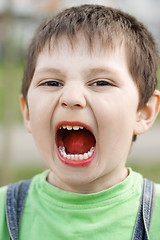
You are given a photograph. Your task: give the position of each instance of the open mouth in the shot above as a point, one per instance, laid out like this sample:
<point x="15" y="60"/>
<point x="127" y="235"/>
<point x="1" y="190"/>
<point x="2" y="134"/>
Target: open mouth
<point x="76" y="144"/>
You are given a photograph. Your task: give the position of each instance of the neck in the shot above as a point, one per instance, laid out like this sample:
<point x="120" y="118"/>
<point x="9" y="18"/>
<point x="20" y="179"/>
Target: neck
<point x="103" y="183"/>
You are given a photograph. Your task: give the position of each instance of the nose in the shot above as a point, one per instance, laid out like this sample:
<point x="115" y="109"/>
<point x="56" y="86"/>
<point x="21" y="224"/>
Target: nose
<point x="73" y="98"/>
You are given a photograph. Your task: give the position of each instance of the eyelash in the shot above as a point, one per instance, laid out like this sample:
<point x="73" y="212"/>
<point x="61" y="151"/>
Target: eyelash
<point x="51" y="83"/>
<point x="95" y="83"/>
<point x="101" y="83"/>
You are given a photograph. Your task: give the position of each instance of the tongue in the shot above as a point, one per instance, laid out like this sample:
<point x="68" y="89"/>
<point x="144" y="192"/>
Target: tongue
<point x="79" y="141"/>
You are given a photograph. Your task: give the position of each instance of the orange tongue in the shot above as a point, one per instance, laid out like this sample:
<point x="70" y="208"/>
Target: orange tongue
<point x="79" y="141"/>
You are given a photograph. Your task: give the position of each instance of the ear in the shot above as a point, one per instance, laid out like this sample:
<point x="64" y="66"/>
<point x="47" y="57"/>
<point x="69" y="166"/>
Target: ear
<point x="147" y="115"/>
<point x="25" y="113"/>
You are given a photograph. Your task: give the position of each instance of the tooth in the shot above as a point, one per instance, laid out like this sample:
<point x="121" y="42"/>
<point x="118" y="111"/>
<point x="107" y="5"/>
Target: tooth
<point x="92" y="149"/>
<point x="60" y="149"/>
<point x="90" y="153"/>
<point x="68" y="156"/>
<point x="76" y="156"/>
<point x="72" y="156"/>
<point x="81" y="127"/>
<point x="80" y="156"/>
<point x="85" y="155"/>
<point x="76" y="127"/>
<point x="69" y="127"/>
<point x="64" y="127"/>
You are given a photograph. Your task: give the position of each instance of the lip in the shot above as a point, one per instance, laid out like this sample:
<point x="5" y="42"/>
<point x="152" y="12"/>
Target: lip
<point x="75" y="163"/>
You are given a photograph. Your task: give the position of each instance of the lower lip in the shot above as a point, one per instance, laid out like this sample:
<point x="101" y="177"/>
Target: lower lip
<point x="76" y="163"/>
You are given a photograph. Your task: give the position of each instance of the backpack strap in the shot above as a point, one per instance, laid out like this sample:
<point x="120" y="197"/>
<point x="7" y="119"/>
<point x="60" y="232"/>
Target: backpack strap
<point x="141" y="231"/>
<point x="15" y="199"/>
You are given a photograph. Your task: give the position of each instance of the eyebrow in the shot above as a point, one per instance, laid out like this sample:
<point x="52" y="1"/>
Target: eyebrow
<point x="100" y="70"/>
<point x="50" y="70"/>
<point x="88" y="73"/>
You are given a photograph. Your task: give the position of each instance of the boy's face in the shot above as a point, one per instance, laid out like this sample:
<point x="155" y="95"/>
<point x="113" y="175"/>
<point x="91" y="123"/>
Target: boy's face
<point x="94" y="91"/>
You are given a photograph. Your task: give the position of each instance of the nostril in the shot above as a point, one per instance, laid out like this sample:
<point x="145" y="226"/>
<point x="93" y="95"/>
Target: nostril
<point x="77" y="105"/>
<point x="64" y="104"/>
<point x="71" y="105"/>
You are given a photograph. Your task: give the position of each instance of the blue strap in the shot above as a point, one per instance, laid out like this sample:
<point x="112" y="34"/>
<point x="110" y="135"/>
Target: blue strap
<point x="15" y="198"/>
<point x="141" y="231"/>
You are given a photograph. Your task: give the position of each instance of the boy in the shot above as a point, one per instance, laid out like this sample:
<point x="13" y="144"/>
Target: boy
<point x="89" y="89"/>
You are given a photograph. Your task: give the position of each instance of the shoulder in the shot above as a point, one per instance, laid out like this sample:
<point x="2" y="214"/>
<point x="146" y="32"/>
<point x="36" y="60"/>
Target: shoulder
<point x="4" y="234"/>
<point x="2" y="200"/>
<point x="2" y="195"/>
<point x="157" y="189"/>
<point x="157" y="196"/>
<point x="155" y="223"/>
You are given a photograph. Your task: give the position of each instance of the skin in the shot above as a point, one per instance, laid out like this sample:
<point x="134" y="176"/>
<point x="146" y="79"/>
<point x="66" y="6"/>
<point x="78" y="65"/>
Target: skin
<point x="95" y="89"/>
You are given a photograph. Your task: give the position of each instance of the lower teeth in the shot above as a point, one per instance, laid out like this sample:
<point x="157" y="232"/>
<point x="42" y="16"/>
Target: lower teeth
<point x="76" y="156"/>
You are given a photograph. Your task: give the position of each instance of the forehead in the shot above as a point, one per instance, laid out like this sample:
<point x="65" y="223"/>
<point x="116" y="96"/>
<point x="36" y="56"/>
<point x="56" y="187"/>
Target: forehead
<point x="81" y="45"/>
<point x="96" y="43"/>
<point x="80" y="50"/>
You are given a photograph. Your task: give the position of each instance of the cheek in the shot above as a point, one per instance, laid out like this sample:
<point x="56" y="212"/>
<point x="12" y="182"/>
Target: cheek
<point x="41" y="113"/>
<point x="41" y="107"/>
<point x="115" y="131"/>
<point x="115" y="118"/>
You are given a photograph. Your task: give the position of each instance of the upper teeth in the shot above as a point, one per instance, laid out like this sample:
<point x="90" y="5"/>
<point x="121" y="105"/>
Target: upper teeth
<point x="71" y="127"/>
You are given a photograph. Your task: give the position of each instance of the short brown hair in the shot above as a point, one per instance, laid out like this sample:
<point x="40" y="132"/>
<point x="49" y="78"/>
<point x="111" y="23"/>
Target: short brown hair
<point x="110" y="26"/>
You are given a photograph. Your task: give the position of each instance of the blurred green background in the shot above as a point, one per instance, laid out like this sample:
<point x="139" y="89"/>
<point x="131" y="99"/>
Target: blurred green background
<point x="18" y="21"/>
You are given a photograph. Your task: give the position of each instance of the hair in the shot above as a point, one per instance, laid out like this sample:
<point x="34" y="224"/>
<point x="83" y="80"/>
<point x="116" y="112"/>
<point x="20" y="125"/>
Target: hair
<point x="110" y="27"/>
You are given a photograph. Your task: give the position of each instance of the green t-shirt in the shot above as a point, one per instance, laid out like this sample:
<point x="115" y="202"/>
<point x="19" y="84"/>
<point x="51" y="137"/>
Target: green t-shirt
<point x="52" y="213"/>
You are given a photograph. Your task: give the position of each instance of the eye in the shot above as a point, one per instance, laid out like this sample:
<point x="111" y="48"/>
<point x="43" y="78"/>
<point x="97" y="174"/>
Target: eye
<point x="51" y="83"/>
<point x="101" y="83"/>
